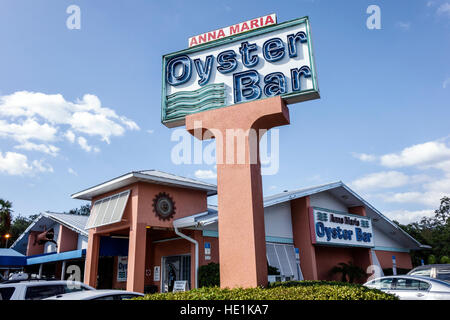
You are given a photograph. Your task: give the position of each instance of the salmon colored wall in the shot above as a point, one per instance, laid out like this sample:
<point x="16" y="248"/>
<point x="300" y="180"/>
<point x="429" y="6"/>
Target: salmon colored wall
<point x="155" y="252"/>
<point x="67" y="239"/>
<point x="301" y="228"/>
<point x="328" y="257"/>
<point x="403" y="259"/>
<point x="187" y="202"/>
<point x="214" y="249"/>
<point x="33" y="247"/>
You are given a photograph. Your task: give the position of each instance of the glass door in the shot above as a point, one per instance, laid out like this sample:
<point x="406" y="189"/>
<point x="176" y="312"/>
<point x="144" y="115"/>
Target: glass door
<point x="175" y="268"/>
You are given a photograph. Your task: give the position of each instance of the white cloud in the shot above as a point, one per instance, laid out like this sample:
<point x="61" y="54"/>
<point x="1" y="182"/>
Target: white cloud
<point x="85" y="116"/>
<point x="70" y="136"/>
<point x="418" y="189"/>
<point x="150" y="131"/>
<point x="85" y="146"/>
<point x="444" y="9"/>
<point x="421" y="154"/>
<point x="446" y="83"/>
<point x="27" y="130"/>
<point x="405" y="26"/>
<point x="41" y="167"/>
<point x="384" y="179"/>
<point x="71" y="171"/>
<point x="406" y="216"/>
<point x="13" y="163"/>
<point x="364" y="157"/>
<point x="205" y="174"/>
<point x="30" y="146"/>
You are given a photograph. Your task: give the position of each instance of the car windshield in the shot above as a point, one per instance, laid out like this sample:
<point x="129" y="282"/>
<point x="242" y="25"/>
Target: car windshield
<point x="421" y="272"/>
<point x="443" y="274"/>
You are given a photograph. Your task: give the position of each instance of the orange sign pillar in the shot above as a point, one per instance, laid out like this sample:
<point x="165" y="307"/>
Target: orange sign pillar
<point x="91" y="264"/>
<point x="237" y="130"/>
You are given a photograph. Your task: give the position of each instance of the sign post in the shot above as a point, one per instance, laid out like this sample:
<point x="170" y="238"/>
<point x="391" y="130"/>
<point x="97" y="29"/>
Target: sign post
<point x="233" y="90"/>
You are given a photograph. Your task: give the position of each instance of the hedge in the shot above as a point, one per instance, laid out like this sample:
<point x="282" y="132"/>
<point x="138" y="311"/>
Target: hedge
<point x="293" y="290"/>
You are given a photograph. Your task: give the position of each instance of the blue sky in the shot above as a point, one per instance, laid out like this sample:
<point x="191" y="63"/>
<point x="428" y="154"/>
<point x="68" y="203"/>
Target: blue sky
<point x="381" y="125"/>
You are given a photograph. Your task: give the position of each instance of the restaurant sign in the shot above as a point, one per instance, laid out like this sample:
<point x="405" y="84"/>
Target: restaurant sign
<point x="329" y="227"/>
<point x="276" y="59"/>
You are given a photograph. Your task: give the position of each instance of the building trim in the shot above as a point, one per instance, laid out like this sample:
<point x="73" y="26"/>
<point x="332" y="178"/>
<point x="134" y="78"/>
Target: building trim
<point x="53" y="257"/>
<point x="390" y="249"/>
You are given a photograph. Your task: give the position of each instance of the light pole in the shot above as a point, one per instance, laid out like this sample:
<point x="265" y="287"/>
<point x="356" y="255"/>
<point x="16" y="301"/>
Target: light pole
<point x="7" y="236"/>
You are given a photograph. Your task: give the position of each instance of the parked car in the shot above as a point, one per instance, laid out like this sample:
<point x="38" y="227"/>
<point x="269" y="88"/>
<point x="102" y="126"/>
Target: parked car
<point x="412" y="287"/>
<point x="97" y="295"/>
<point x="435" y="271"/>
<point x="38" y="289"/>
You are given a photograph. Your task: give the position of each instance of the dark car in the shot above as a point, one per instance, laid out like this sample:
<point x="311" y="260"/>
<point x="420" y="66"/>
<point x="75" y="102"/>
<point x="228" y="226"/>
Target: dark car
<point x="435" y="271"/>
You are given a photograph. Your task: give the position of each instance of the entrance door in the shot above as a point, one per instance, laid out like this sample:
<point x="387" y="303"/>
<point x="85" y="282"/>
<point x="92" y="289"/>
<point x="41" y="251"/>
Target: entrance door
<point x="175" y="268"/>
<point x="105" y="272"/>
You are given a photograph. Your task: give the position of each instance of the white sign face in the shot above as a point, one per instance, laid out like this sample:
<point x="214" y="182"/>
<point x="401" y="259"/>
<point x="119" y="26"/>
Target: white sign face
<point x="156" y="272"/>
<point x="338" y="228"/>
<point x="122" y="266"/>
<point x="180" y="286"/>
<point x="233" y="30"/>
<point x="275" y="60"/>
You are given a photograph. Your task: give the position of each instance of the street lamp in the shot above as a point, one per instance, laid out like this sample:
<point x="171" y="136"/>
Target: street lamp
<point x="7" y="236"/>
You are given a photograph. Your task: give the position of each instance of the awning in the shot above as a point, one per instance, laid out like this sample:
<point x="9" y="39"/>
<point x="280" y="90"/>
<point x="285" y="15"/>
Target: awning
<point x="108" y="210"/>
<point x="11" y="258"/>
<point x="53" y="257"/>
<point x="282" y="257"/>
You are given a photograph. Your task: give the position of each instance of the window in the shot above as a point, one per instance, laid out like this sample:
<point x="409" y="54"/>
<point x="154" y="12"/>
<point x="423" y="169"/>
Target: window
<point x="411" y="284"/>
<point x="126" y="296"/>
<point x="422" y="273"/>
<point x="282" y="257"/>
<point x="105" y="298"/>
<point x="74" y="288"/>
<point x="381" y="284"/>
<point x="443" y="273"/>
<point x="42" y="292"/>
<point x="6" y="293"/>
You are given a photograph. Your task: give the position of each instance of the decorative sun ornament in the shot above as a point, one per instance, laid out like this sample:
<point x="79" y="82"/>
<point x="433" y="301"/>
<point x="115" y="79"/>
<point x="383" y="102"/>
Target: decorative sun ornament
<point x="164" y="206"/>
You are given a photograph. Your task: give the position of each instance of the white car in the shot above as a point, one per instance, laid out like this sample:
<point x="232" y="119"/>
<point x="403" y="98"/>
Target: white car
<point x="97" y="295"/>
<point x="38" y="289"/>
<point x="412" y="287"/>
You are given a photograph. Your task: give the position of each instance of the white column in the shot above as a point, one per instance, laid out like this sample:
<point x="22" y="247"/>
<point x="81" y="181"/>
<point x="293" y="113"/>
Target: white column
<point x="40" y="270"/>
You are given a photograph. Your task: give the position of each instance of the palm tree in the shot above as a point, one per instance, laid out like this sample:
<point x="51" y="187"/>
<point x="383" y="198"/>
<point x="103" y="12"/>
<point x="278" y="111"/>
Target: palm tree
<point x="5" y="217"/>
<point x="348" y="270"/>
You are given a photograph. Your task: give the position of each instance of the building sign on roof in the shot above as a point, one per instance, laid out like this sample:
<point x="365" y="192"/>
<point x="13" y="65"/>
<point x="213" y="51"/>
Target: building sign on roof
<point x="233" y="30"/>
<point x="337" y="228"/>
<point x="275" y="60"/>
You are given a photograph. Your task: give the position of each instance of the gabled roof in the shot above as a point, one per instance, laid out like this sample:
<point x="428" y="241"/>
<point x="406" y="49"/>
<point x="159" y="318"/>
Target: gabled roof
<point x="73" y="222"/>
<point x="351" y="199"/>
<point x="9" y="253"/>
<point x="150" y="176"/>
<point x="340" y="191"/>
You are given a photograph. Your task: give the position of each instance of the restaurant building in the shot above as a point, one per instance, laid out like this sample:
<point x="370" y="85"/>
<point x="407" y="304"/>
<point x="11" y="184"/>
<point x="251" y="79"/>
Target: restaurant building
<point x="148" y="229"/>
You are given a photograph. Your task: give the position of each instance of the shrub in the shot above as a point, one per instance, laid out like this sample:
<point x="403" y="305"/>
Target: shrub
<point x="431" y="259"/>
<point x="445" y="259"/>
<point x="209" y="275"/>
<point x="292" y="290"/>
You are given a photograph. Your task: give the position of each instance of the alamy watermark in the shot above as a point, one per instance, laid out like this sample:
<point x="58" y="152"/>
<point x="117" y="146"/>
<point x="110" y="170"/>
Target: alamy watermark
<point x="234" y="146"/>
<point x="73" y="21"/>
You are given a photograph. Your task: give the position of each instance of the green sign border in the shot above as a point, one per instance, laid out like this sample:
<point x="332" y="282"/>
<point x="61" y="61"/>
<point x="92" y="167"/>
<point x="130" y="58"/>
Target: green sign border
<point x="292" y="97"/>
